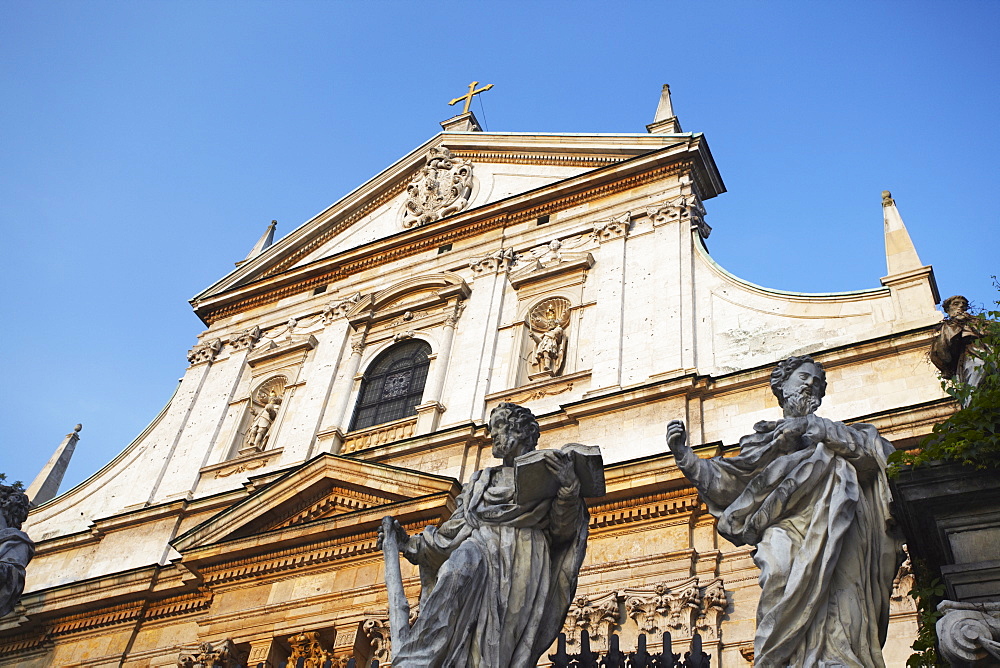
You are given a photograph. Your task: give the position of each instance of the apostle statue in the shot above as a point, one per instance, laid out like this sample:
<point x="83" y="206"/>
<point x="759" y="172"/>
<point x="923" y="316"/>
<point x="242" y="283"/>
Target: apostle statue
<point x="811" y="495"/>
<point x="16" y="549"/>
<point x="953" y="351"/>
<point x="498" y="576"/>
<point x="548" y="331"/>
<point x="256" y="436"/>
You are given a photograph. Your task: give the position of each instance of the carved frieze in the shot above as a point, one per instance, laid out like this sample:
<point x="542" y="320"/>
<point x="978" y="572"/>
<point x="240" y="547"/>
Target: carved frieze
<point x="597" y="615"/>
<point x="220" y="654"/>
<point x="616" y="227"/>
<point x="245" y="339"/>
<point x="340" y="309"/>
<point x="549" y="260"/>
<point x="680" y="608"/>
<point x="441" y="188"/>
<point x="306" y="647"/>
<point x="684" y="208"/>
<point x="376" y="630"/>
<point x="204" y="352"/>
<point x="494" y="263"/>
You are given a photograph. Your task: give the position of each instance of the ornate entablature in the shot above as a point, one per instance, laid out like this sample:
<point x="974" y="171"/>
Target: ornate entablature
<point x="441" y="188"/>
<point x="204" y="352"/>
<point x="680" y="209"/>
<point x="681" y="608"/>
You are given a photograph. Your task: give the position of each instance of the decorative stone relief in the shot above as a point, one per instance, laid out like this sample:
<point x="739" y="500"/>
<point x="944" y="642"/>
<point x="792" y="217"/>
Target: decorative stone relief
<point x="264" y="405"/>
<point x="456" y="314"/>
<point x="493" y="263"/>
<point x="713" y="607"/>
<point x="547" y="323"/>
<point x="242" y="467"/>
<point x="616" y="227"/>
<point x="969" y="633"/>
<point x="358" y="343"/>
<point x="597" y="615"/>
<point x="900" y="600"/>
<point x="204" y="352"/>
<point x="335" y="310"/>
<point x="439" y="189"/>
<point x="680" y="209"/>
<point x="376" y="630"/>
<point x="680" y="608"/>
<point x="220" y="654"/>
<point x="245" y="339"/>
<point x="306" y="646"/>
<point x="538" y="393"/>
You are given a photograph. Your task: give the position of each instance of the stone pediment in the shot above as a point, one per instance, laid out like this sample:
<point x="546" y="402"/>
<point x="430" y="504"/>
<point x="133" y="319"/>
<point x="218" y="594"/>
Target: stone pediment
<point x="505" y="166"/>
<point x="326" y="497"/>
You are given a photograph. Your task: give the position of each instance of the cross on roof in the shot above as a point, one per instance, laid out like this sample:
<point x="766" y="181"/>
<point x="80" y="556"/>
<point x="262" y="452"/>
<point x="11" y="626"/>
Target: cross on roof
<point x="468" y="96"/>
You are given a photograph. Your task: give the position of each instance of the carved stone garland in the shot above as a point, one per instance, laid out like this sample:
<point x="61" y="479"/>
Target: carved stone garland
<point x="439" y="189"/>
<point x="306" y="646"/>
<point x="597" y="615"/>
<point x="204" y="352"/>
<point x="683" y="208"/>
<point x="220" y="654"/>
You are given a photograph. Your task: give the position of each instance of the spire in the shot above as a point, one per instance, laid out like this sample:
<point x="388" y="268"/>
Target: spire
<point x="664" y="122"/>
<point x="262" y="244"/>
<point x="900" y="254"/>
<point x="46" y="484"/>
<point x="913" y="284"/>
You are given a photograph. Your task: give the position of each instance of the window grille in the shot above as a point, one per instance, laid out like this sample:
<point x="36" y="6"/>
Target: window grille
<point x="393" y="385"/>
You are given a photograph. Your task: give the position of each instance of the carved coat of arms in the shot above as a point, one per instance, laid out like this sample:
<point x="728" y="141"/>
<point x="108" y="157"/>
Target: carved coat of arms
<point x="441" y="188"/>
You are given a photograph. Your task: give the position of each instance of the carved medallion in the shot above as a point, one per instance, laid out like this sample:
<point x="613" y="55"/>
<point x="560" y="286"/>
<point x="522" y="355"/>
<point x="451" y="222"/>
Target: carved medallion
<point x="439" y="189"/>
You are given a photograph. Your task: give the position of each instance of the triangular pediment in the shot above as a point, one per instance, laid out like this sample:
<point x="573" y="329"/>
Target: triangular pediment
<point x="505" y="166"/>
<point x="328" y="495"/>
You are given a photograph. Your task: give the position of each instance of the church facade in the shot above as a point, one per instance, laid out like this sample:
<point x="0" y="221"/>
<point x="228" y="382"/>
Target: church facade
<point x="347" y="370"/>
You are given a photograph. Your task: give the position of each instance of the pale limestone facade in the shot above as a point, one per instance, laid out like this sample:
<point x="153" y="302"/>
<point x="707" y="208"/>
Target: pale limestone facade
<point x="183" y="539"/>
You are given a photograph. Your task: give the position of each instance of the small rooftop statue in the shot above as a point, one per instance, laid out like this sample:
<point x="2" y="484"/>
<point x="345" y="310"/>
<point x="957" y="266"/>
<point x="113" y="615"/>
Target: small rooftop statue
<point x="953" y="349"/>
<point x="16" y="549"/>
<point x="497" y="578"/>
<point x="811" y="494"/>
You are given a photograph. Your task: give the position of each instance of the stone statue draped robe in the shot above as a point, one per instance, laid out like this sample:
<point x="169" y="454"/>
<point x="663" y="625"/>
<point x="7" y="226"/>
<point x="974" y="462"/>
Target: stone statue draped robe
<point x="497" y="578"/>
<point x="819" y="521"/>
<point x="16" y="550"/>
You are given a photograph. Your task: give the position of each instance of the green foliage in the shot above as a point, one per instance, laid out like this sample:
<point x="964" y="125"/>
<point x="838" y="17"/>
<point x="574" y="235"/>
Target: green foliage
<point x="927" y="593"/>
<point x="17" y="486"/>
<point x="970" y="436"/>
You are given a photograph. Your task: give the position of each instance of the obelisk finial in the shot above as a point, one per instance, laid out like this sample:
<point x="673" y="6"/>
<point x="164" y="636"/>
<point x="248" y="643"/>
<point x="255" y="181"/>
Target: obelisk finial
<point x="46" y="485"/>
<point x="664" y="122"/>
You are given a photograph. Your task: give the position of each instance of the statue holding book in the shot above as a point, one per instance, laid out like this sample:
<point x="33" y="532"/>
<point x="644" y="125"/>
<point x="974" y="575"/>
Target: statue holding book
<point x="498" y="576"/>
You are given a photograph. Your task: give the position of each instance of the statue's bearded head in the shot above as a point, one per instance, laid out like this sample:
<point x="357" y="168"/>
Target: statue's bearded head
<point x="14" y="505"/>
<point x="799" y="383"/>
<point x="513" y="429"/>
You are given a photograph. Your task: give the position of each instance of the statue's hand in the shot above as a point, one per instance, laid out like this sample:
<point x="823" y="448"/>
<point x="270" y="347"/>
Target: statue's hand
<point x="677" y="438"/>
<point x="560" y="464"/>
<point x="402" y="538"/>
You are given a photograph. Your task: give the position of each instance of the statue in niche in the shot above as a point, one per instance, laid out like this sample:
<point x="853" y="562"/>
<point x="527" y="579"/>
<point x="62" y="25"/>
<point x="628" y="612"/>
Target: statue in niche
<point x="498" y="577"/>
<point x="16" y="549"/>
<point x="257" y="434"/>
<point x="954" y="351"/>
<point x="547" y="324"/>
<point x="811" y="495"/>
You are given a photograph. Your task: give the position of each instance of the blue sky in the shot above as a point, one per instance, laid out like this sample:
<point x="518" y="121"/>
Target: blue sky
<point x="146" y="145"/>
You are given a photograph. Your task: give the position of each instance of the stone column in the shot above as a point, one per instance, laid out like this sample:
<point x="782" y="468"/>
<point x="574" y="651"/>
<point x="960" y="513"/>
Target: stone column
<point x="607" y="337"/>
<point x="429" y="411"/>
<point x="332" y="437"/>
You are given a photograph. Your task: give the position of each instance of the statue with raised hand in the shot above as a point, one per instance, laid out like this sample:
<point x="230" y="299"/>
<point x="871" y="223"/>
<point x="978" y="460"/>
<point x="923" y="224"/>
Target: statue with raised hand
<point x="498" y="576"/>
<point x="811" y="495"/>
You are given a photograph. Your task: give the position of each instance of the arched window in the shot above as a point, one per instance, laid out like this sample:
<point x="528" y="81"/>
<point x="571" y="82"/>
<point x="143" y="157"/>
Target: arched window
<point x="393" y="385"/>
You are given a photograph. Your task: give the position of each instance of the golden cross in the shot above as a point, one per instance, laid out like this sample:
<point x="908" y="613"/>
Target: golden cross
<point x="468" y="96"/>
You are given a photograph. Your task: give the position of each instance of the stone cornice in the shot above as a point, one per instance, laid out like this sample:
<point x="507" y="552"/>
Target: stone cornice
<point x="280" y="280"/>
